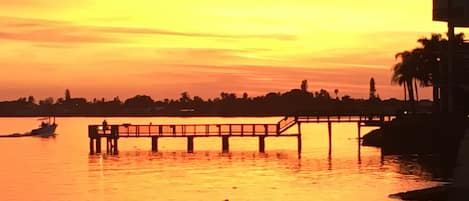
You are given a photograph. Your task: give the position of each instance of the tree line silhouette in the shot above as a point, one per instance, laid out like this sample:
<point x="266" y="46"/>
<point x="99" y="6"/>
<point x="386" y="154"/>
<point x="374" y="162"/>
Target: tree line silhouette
<point x="294" y="102"/>
<point x="420" y="67"/>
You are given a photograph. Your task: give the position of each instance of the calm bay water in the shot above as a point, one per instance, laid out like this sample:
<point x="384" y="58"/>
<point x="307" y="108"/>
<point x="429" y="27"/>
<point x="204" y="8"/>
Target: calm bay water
<point x="59" y="168"/>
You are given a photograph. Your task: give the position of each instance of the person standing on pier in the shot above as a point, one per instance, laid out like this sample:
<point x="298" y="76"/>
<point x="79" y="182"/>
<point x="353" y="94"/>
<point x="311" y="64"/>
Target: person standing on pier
<point x="104" y="125"/>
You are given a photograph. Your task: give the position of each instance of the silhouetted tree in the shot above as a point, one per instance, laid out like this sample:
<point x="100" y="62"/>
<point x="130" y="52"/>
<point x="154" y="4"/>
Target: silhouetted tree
<point x="304" y="85"/>
<point x="372" y="89"/>
<point x="198" y="99"/>
<point x="346" y="98"/>
<point x="323" y="94"/>
<point x="433" y="58"/>
<point x="47" y="101"/>
<point x="21" y="100"/>
<point x="336" y="91"/>
<point x="185" y="98"/>
<point x="117" y="99"/>
<point x="404" y="72"/>
<point x="421" y="65"/>
<point x="67" y="95"/>
<point x="227" y="96"/>
<point x="31" y="99"/>
<point x="272" y="96"/>
<point x="139" y="101"/>
<point x="223" y="95"/>
<point x="245" y="96"/>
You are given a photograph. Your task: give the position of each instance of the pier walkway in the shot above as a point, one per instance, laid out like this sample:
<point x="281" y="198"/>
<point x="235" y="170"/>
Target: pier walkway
<point x="190" y="131"/>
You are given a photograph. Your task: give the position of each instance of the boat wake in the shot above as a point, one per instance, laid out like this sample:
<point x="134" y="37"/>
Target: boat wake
<point x="17" y="135"/>
<point x="46" y="129"/>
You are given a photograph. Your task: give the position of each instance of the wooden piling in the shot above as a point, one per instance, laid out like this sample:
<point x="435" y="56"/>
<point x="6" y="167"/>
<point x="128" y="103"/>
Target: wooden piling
<point x="111" y="145"/>
<point x="108" y="145"/>
<point x="262" y="144"/>
<point x="98" y="145"/>
<point x="115" y="150"/>
<point x="154" y="144"/>
<point x="299" y="128"/>
<point x="299" y="145"/>
<point x="329" y="129"/>
<point x="299" y="140"/>
<point x="225" y="144"/>
<point x="359" y="126"/>
<point x="359" y="142"/>
<point x="190" y="144"/>
<point x="91" y="146"/>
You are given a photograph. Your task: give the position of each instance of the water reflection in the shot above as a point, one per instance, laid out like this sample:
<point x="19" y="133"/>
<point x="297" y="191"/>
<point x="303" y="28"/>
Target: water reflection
<point x="260" y="175"/>
<point x="421" y="167"/>
<point x="63" y="164"/>
<point x="424" y="166"/>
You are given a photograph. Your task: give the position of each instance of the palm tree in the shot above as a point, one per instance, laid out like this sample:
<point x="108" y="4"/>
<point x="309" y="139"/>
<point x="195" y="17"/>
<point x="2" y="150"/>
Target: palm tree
<point x="404" y="72"/>
<point x="431" y="62"/>
<point x="422" y="65"/>
<point x="433" y="58"/>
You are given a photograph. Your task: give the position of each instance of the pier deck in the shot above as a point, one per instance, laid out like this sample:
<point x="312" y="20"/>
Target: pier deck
<point x="184" y="130"/>
<point x="280" y="129"/>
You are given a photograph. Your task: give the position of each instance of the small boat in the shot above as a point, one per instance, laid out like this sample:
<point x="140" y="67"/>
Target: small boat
<point x="46" y="129"/>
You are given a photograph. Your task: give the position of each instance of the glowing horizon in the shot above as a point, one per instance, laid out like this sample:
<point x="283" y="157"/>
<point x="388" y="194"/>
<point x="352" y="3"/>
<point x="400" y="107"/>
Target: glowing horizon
<point x="96" y="49"/>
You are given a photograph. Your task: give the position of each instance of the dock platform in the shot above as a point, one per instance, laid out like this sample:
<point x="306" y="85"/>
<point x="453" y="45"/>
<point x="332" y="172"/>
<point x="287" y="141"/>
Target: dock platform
<point x="282" y="128"/>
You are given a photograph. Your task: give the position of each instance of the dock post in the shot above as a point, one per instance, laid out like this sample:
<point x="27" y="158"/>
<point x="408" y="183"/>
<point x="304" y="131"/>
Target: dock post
<point x="154" y="144"/>
<point x="262" y="144"/>
<point x="91" y="146"/>
<point x="108" y="145"/>
<point x="98" y="145"/>
<point x="299" y="145"/>
<point x="359" y="142"/>
<point x="299" y="140"/>
<point x="190" y="144"/>
<point x="92" y="134"/>
<point x="116" y="150"/>
<point x="225" y="144"/>
<point x="114" y="136"/>
<point x="359" y="126"/>
<point x="329" y="128"/>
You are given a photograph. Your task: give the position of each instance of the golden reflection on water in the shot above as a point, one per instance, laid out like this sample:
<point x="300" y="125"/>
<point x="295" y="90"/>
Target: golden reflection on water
<point x="61" y="169"/>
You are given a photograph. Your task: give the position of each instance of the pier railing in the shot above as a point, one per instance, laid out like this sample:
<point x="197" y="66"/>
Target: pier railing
<point x="286" y="123"/>
<point x="184" y="130"/>
<point x="344" y="119"/>
<point x="280" y="129"/>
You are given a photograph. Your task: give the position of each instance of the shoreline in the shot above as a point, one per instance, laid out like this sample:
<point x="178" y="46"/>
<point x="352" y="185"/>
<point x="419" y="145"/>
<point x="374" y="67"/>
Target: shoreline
<point x="140" y="115"/>
<point x="198" y="115"/>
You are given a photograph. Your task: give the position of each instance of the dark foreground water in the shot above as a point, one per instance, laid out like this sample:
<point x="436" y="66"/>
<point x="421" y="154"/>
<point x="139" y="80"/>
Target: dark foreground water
<point x="59" y="168"/>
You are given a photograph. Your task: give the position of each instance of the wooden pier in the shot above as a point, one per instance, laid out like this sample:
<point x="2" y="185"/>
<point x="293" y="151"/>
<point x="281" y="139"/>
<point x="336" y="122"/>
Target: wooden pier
<point x="112" y="133"/>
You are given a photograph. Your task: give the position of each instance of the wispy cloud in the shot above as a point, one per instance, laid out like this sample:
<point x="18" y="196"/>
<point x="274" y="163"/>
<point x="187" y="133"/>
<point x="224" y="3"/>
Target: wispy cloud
<point x="38" y="30"/>
<point x="49" y="31"/>
<point x="54" y="36"/>
<point x="151" y="31"/>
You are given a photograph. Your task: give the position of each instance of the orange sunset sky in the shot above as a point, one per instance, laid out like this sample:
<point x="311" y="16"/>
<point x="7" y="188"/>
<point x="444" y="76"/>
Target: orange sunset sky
<point x="161" y="48"/>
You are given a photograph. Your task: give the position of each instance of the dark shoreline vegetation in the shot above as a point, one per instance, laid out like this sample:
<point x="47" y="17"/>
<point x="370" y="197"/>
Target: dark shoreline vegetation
<point x="293" y="102"/>
<point x="436" y="135"/>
